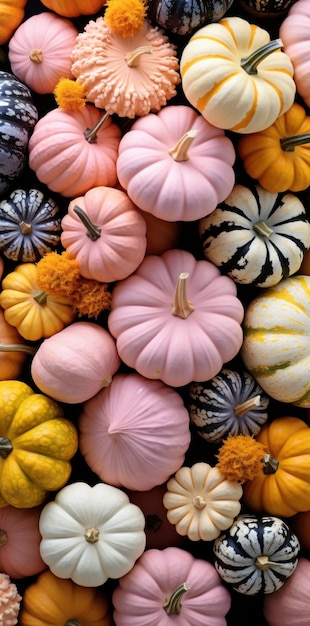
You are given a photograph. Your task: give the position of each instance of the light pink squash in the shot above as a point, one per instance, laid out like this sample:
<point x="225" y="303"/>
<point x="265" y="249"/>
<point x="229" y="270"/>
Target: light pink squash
<point x="20" y="542"/>
<point x="295" y="35"/>
<point x="289" y="606"/>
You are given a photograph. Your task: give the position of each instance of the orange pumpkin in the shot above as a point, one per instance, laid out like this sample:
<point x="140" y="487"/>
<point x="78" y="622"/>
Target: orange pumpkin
<point x="73" y="8"/>
<point x="13" y="350"/>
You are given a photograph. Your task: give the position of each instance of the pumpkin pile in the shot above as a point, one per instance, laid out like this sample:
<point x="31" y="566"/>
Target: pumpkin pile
<point x="154" y="312"/>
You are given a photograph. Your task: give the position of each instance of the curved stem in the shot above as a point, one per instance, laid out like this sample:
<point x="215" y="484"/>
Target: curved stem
<point x="263" y="562"/>
<point x="288" y="144"/>
<point x="172" y="604"/>
<point x="5" y="447"/>
<point x="41" y="297"/>
<point x="90" y="134"/>
<point x="180" y="151"/>
<point x="17" y="347"/>
<point x="132" y="58"/>
<point x="270" y="464"/>
<point x="244" y="407"/>
<point x="261" y="228"/>
<point x="250" y="63"/>
<point x="93" y="232"/>
<point x="182" y="307"/>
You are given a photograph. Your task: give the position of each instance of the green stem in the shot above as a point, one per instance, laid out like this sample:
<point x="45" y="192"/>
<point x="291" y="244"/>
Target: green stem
<point x="250" y="63"/>
<point x="93" y="232"/>
<point x="17" y="347"/>
<point x="5" y="447"/>
<point x="288" y="144"/>
<point x="270" y="464"/>
<point x="172" y="604"/>
<point x="90" y="134"/>
<point x="261" y="228"/>
<point x="41" y="297"/>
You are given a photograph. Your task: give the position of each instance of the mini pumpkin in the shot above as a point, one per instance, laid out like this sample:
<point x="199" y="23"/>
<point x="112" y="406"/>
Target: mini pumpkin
<point x="255" y="236"/>
<point x="13" y="350"/>
<point x="74" y="8"/>
<point x="37" y="444"/>
<point x="236" y="77"/>
<point x="294" y="32"/>
<point x="30" y="225"/>
<point x="11" y="15"/>
<point x="20" y="542"/>
<point x="256" y="554"/>
<point x="182" y="17"/>
<point x="90" y="534"/>
<point x="289" y="606"/>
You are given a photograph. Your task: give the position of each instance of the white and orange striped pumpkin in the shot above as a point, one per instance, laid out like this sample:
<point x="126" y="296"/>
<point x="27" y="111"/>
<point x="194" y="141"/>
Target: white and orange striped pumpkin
<point x="236" y="77"/>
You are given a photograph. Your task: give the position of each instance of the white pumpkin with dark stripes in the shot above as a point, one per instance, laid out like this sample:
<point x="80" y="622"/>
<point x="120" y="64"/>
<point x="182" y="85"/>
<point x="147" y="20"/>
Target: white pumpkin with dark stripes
<point x="231" y="403"/>
<point x="256" y="554"/>
<point x="183" y="16"/>
<point x="256" y="237"/>
<point x="30" y="225"/>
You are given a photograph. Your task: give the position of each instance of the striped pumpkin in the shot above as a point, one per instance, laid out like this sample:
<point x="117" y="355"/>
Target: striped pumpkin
<point x="231" y="403"/>
<point x="255" y="236"/>
<point x="236" y="77"/>
<point x="183" y="16"/>
<point x="276" y="344"/>
<point x="256" y="554"/>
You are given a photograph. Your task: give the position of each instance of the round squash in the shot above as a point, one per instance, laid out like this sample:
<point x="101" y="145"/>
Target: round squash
<point x="256" y="554"/>
<point x="182" y="17"/>
<point x="294" y="32"/>
<point x="90" y="534"/>
<point x="289" y="606"/>
<point x="74" y="8"/>
<point x="13" y="350"/>
<point x="256" y="237"/>
<point x="300" y="525"/>
<point x="236" y="77"/>
<point x="264" y="9"/>
<point x="11" y="15"/>
<point x="20" y="542"/>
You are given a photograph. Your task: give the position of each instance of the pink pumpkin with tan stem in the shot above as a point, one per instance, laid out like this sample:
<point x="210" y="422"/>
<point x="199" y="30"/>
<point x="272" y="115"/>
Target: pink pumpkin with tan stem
<point x="176" y="319"/>
<point x="175" y="165"/>
<point x="20" y="542"/>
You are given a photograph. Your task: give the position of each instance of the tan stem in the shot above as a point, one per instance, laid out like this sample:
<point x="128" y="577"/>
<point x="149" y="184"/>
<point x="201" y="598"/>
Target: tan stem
<point x="199" y="502"/>
<point x="180" y="151"/>
<point x="261" y="228"/>
<point x="17" y="347"/>
<point x="3" y="538"/>
<point x="132" y="58"/>
<point x="263" y="562"/>
<point x="244" y="407"/>
<point x="182" y="307"/>
<point x="92" y="534"/>
<point x="36" y="56"/>
<point x="25" y="228"/>
<point x="172" y="604"/>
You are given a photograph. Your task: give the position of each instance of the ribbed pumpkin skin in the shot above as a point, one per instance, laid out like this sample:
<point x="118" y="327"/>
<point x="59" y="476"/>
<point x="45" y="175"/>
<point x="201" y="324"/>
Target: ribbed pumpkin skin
<point x="183" y="16"/>
<point x="215" y="83"/>
<point x="290" y="605"/>
<point x="276" y="343"/>
<point x="294" y="32"/>
<point x="249" y="537"/>
<point x="255" y="236"/>
<point x="74" y="8"/>
<point x="11" y="15"/>
<point x="212" y="406"/>
<point x="20" y="542"/>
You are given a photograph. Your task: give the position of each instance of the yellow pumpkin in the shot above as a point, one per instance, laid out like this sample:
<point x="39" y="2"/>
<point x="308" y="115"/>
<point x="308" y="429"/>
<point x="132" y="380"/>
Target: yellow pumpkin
<point x="34" y="313"/>
<point x="36" y="445"/>
<point x="11" y="15"/>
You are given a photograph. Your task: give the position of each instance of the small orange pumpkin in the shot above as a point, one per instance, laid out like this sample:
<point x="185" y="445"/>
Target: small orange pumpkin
<point x="73" y="8"/>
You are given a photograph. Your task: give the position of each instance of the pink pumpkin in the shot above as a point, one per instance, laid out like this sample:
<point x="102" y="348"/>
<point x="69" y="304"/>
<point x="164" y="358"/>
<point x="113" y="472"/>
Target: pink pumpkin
<point x="289" y="606"/>
<point x="175" y="165"/>
<point x="295" y="35"/>
<point x="40" y="51"/>
<point x="176" y="319"/>
<point x="134" y="433"/>
<point x="20" y="542"/>
<point x="171" y="586"/>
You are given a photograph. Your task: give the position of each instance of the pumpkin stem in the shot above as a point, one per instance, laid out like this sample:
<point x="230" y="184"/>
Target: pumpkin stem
<point x="250" y="63"/>
<point x="172" y="604"/>
<point x="180" y="151"/>
<point x="90" y="134"/>
<point x="17" y="347"/>
<point x="3" y="538"/>
<point x="25" y="228"/>
<point x="132" y="58"/>
<point x="36" y="56"/>
<point x="93" y="232"/>
<point x="41" y="297"/>
<point x="244" y="407"/>
<point x="92" y="534"/>
<point x="5" y="447"/>
<point x="199" y="502"/>
<point x="73" y="622"/>
<point x="288" y="144"/>
<point x="182" y="307"/>
<point x="270" y="464"/>
<point x="261" y="228"/>
<point x="263" y="562"/>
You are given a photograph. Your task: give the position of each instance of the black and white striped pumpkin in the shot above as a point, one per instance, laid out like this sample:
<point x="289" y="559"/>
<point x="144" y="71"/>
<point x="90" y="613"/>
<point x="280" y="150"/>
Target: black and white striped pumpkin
<point x="184" y="16"/>
<point x="30" y="225"/>
<point x="256" y="237"/>
<point x="231" y="403"/>
<point x="18" y="116"/>
<point x="256" y="554"/>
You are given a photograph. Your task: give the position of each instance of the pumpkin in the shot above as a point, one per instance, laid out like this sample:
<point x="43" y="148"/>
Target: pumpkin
<point x="279" y="156"/>
<point x="176" y="318"/>
<point x="200" y="502"/>
<point x="236" y="77"/>
<point x="283" y="486"/>
<point x="129" y="76"/>
<point x="30" y="225"/>
<point x="33" y="312"/>
<point x="256" y="554"/>
<point x="275" y="347"/>
<point x="11" y="15"/>
<point x="20" y="542"/>
<point x="73" y="151"/>
<point x="289" y="606"/>
<point x="128" y="435"/>
<point x="13" y="350"/>
<point x="9" y="601"/>
<point x="294" y="32"/>
<point x="160" y="234"/>
<point x="105" y="233"/>
<point x="266" y="8"/>
<point x="90" y="534"/>
<point x="37" y="444"/>
<point x="175" y="165"/>
<point x="300" y="525"/>
<point x="40" y="51"/>
<point x="86" y="359"/>
<point x="182" y="17"/>
<point x="50" y="601"/>
<point x="230" y="403"/>
<point x="74" y="8"/>
<point x="170" y="586"/>
<point x="255" y="236"/>
<point x="18" y="116"/>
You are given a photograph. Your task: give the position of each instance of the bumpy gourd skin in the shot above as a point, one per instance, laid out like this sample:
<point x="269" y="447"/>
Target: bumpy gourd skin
<point x="41" y="443"/>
